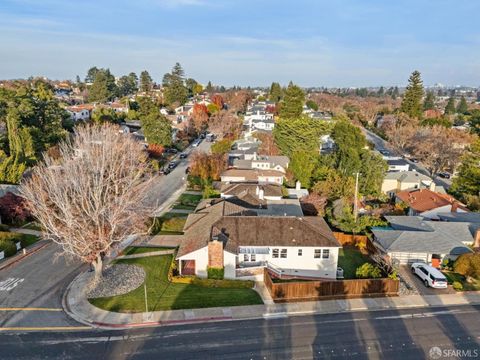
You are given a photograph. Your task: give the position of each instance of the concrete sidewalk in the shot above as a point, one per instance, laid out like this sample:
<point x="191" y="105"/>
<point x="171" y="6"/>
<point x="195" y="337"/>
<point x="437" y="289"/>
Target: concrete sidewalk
<point x="78" y="307"/>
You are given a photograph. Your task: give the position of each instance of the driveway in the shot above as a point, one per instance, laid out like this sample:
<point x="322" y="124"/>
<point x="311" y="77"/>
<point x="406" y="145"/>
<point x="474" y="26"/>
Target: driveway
<point x="415" y="282"/>
<point x="31" y="290"/>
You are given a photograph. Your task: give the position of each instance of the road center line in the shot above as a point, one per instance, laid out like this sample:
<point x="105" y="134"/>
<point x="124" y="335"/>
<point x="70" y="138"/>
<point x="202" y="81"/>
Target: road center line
<point x="30" y="309"/>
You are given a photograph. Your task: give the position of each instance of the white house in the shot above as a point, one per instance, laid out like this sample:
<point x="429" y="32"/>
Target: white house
<point x="263" y="162"/>
<point x="245" y="245"/>
<point x="397" y="164"/>
<point x="78" y="113"/>
<point x="394" y="182"/>
<point x="252" y="175"/>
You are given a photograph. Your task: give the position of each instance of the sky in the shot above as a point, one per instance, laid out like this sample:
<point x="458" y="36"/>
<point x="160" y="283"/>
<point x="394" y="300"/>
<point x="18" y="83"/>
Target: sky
<point x="334" y="43"/>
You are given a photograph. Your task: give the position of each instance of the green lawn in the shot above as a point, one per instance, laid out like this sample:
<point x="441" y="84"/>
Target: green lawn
<point x="163" y="295"/>
<point x="131" y="250"/>
<point x="187" y="201"/>
<point x="32" y="226"/>
<point x="452" y="276"/>
<point x="8" y="240"/>
<point x="349" y="259"/>
<point x="169" y="224"/>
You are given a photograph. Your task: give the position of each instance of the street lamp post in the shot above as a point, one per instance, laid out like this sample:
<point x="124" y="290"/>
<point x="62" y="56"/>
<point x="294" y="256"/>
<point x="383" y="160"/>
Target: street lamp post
<point x="355" y="206"/>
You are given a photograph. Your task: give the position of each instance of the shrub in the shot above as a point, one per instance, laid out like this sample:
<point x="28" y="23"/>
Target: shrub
<point x="211" y="283"/>
<point x="215" y="273"/>
<point x="368" y="271"/>
<point x="8" y="246"/>
<point x="468" y="265"/>
<point x="393" y="275"/>
<point x="457" y="285"/>
<point x="4" y="228"/>
<point x="174" y="224"/>
<point x="14" y="209"/>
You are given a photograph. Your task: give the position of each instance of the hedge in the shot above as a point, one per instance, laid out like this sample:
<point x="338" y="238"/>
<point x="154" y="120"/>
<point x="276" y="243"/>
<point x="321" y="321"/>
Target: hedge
<point x="4" y="228"/>
<point x="215" y="273"/>
<point x="8" y="246"/>
<point x="211" y="283"/>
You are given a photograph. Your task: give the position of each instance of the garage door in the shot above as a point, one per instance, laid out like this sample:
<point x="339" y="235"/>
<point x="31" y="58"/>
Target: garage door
<point x="408" y="258"/>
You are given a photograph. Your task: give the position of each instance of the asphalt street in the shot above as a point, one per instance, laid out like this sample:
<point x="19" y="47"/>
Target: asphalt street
<point x="408" y="334"/>
<point x="382" y="144"/>
<point x="31" y="290"/>
<point x="164" y="186"/>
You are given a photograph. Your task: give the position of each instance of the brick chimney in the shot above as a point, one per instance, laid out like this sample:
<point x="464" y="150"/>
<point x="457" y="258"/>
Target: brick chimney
<point x="476" y="239"/>
<point x="215" y="254"/>
<point x="454" y="207"/>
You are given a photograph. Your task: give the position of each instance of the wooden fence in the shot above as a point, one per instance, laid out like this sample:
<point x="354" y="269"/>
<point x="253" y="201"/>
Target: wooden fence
<point x="330" y="289"/>
<point x="360" y="241"/>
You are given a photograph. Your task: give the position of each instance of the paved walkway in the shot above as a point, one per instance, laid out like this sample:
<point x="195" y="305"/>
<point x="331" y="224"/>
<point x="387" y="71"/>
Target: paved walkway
<point x="26" y="231"/>
<point x="147" y="254"/>
<point x="181" y="211"/>
<point x="192" y="192"/>
<point x="77" y="306"/>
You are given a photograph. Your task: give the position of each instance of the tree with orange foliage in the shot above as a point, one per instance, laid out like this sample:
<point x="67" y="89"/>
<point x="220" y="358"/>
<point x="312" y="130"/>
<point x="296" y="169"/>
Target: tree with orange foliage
<point x="218" y="100"/>
<point x="268" y="146"/>
<point x="200" y="116"/>
<point x="225" y="124"/>
<point x="155" y="150"/>
<point x="207" y="167"/>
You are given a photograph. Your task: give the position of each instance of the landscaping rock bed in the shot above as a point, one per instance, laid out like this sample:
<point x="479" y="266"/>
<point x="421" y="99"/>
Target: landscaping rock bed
<point x="117" y="280"/>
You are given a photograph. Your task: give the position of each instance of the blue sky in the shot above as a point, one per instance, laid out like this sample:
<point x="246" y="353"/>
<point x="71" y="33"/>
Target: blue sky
<point x="246" y="42"/>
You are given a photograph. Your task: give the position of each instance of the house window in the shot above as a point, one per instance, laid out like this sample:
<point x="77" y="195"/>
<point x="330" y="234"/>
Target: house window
<point x="245" y="257"/>
<point x="326" y="254"/>
<point x="275" y="253"/>
<point x="283" y="254"/>
<point x="317" y="253"/>
<point x="253" y="257"/>
<point x="299" y="252"/>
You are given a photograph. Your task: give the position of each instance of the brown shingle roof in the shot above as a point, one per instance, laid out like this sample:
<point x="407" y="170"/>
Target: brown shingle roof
<point x="237" y="189"/>
<point x="251" y="174"/>
<point x="274" y="231"/>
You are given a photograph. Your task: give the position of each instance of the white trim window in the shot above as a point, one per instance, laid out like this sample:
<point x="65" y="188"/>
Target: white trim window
<point x="283" y="253"/>
<point x="326" y="253"/>
<point x="317" y="253"/>
<point x="275" y="253"/>
<point x="300" y="252"/>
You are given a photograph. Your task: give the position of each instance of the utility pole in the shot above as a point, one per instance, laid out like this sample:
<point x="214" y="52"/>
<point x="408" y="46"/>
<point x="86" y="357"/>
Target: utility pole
<point x="355" y="206"/>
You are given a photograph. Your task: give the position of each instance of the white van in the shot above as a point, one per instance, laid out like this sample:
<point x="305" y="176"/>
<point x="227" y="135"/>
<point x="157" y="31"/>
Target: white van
<point x="431" y="277"/>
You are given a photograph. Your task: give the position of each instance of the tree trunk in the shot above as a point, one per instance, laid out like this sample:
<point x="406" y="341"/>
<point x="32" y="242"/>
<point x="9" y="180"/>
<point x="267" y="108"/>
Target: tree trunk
<point x="98" y="267"/>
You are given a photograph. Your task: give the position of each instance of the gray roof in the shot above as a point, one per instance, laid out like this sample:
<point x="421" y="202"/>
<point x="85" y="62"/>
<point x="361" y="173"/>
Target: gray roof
<point x="397" y="162"/>
<point x="407" y="176"/>
<point x="6" y="188"/>
<point x="411" y="234"/>
<point x="242" y="164"/>
<point x="471" y="217"/>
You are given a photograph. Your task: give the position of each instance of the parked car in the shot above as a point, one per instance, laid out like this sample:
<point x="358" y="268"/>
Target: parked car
<point x="430" y="276"/>
<point x="165" y="171"/>
<point x="210" y="138"/>
<point x="444" y="175"/>
<point x="196" y="142"/>
<point x="414" y="160"/>
<point x="183" y="155"/>
<point x="171" y="151"/>
<point x="172" y="165"/>
<point x="384" y="152"/>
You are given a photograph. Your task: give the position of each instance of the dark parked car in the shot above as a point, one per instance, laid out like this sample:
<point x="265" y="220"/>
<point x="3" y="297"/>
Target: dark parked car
<point x="183" y="155"/>
<point x="172" y="165"/>
<point x="165" y="171"/>
<point x="171" y="151"/>
<point x="384" y="152"/>
<point x="444" y="175"/>
<point x="414" y="160"/>
<point x="187" y="170"/>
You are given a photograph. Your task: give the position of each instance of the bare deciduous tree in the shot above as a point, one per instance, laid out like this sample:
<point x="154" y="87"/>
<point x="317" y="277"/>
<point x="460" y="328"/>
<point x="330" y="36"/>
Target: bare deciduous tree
<point x="225" y="124"/>
<point x="91" y="197"/>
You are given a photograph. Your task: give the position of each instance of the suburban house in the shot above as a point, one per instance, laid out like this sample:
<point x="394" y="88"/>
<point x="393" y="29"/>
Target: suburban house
<point x="411" y="239"/>
<point x="397" y="164"/>
<point x="259" y="176"/>
<point x="224" y="235"/>
<point x="278" y="163"/>
<point x="428" y="204"/>
<point x="394" y="182"/>
<point x="79" y="112"/>
<point x="266" y="191"/>
<point x="470" y="218"/>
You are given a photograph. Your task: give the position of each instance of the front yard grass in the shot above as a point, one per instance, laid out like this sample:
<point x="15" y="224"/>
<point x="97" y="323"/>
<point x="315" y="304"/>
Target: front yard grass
<point x="349" y="259"/>
<point x="169" y="224"/>
<point x="163" y="295"/>
<point x="453" y="276"/>
<point x="187" y="201"/>
<point x="132" y="250"/>
<point x="8" y="240"/>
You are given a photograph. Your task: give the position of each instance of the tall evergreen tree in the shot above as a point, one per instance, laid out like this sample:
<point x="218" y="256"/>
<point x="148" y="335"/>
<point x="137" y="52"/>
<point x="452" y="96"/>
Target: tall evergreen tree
<point x="209" y="89"/>
<point x="127" y="85"/>
<point x="103" y="88"/>
<point x="275" y="92"/>
<point x="91" y="74"/>
<point x="429" y="102"/>
<point x="462" y="107"/>
<point x="292" y="103"/>
<point x="412" y="99"/>
<point x="450" y="108"/>
<point x="395" y="92"/>
<point x="146" y="81"/>
<point x="175" y="91"/>
<point x="381" y="91"/>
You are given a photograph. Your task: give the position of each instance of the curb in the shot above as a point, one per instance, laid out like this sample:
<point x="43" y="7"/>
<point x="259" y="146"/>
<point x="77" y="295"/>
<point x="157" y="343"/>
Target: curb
<point x="34" y="248"/>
